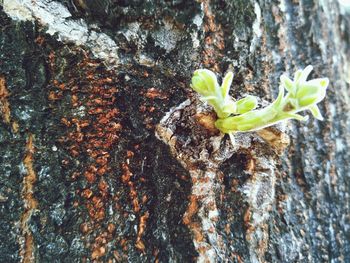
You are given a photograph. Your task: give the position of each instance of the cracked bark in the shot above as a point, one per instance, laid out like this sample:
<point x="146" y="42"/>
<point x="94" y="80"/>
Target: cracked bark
<point x="107" y="155"/>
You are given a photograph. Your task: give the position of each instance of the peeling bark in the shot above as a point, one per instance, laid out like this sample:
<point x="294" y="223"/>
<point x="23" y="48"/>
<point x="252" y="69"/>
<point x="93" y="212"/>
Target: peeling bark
<point x="127" y="165"/>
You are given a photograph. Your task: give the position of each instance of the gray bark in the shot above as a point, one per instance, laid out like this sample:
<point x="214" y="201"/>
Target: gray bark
<point x="104" y="154"/>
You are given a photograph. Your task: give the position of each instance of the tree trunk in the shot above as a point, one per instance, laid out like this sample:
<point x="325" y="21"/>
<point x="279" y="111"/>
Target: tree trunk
<point x="105" y="152"/>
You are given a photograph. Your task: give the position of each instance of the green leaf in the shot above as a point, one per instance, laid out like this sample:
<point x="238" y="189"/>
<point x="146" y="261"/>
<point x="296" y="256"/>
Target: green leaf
<point x="312" y="92"/>
<point x="309" y="94"/>
<point x="297" y="75"/>
<point x="304" y="74"/>
<point x="246" y="104"/>
<point x="226" y="83"/>
<point x="315" y="111"/>
<point x="278" y="102"/>
<point x="287" y="83"/>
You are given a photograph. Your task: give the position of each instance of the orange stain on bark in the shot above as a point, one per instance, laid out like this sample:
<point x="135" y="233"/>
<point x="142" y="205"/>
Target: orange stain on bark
<point x="30" y="203"/>
<point x="5" y="111"/>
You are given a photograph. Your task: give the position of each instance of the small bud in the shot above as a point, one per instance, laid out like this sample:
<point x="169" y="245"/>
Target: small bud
<point x="199" y="85"/>
<point x="204" y="82"/>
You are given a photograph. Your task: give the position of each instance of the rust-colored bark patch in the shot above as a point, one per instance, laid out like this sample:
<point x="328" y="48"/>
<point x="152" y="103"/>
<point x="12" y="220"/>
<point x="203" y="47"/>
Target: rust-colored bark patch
<point x="5" y="111"/>
<point x="189" y="219"/>
<point x="142" y="226"/>
<point x="191" y="211"/>
<point x="30" y="203"/>
<point x="154" y="93"/>
<point x="93" y="125"/>
<point x="126" y="179"/>
<point x="4" y="104"/>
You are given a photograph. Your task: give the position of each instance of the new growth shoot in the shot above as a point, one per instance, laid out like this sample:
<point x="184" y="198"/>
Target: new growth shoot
<point x="242" y="116"/>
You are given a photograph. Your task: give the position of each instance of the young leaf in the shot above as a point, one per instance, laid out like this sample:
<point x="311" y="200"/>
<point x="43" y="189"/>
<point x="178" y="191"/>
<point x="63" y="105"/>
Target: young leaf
<point x="315" y="111"/>
<point x="246" y="104"/>
<point x="226" y="83"/>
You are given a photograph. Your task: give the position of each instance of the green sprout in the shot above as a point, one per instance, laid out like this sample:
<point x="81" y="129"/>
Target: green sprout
<point x="205" y="83"/>
<point x="241" y="115"/>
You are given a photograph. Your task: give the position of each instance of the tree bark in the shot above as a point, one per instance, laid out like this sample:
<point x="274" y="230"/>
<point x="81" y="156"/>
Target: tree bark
<point x="106" y="155"/>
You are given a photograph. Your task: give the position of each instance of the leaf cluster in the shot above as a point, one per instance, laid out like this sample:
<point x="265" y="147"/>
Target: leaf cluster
<point x="242" y="116"/>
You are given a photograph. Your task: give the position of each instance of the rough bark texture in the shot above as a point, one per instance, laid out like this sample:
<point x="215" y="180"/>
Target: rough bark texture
<point x="105" y="155"/>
